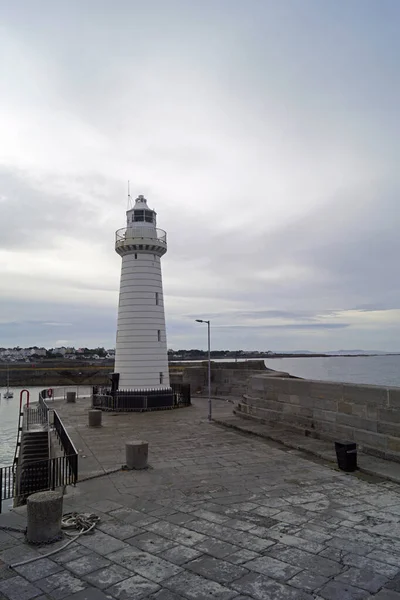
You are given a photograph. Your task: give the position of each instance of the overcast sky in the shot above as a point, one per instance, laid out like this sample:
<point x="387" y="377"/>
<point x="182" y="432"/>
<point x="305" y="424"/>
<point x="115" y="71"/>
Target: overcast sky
<point x="265" y="134"/>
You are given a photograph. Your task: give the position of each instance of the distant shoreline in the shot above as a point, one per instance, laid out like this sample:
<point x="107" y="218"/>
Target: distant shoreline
<point x="275" y="355"/>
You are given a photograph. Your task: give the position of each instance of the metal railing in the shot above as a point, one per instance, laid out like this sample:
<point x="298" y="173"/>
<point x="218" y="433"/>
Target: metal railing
<point x="38" y="476"/>
<point x="36" y="415"/>
<point x="136" y="233"/>
<point x="66" y="443"/>
<point x="7" y="480"/>
<point x="136" y="401"/>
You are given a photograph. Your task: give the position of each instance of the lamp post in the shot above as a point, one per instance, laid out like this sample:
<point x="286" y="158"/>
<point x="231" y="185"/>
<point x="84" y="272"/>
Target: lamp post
<point x="209" y="366"/>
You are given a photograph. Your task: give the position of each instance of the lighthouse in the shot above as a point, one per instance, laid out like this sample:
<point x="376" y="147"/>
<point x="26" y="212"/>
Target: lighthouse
<point x="141" y="358"/>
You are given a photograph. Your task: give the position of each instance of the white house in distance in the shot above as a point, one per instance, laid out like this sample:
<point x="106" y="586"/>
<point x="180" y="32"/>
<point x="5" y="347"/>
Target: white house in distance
<point x="141" y="358"/>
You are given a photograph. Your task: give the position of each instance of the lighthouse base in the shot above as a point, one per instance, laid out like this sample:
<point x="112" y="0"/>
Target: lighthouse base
<point x="176" y="396"/>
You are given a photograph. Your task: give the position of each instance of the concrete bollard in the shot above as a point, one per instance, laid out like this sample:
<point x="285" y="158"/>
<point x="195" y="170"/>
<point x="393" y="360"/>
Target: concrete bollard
<point x="71" y="396"/>
<point x="137" y="453"/>
<point x="44" y="513"/>
<point x="94" y="418"/>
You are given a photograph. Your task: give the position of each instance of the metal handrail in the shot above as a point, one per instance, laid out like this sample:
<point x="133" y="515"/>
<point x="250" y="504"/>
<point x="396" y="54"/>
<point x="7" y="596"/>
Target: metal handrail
<point x="140" y="233"/>
<point x="65" y="441"/>
<point x="38" y="476"/>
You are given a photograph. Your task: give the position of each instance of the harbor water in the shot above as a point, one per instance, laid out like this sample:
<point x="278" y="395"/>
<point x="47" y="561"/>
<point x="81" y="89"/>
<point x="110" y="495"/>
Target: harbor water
<point x="9" y="409"/>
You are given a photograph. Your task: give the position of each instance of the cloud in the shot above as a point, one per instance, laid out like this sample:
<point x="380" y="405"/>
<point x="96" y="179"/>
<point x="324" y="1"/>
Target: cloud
<point x="265" y="138"/>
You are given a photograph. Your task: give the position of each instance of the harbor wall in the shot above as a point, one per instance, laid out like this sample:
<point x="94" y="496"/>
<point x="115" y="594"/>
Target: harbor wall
<point x="366" y="414"/>
<point x="228" y="379"/>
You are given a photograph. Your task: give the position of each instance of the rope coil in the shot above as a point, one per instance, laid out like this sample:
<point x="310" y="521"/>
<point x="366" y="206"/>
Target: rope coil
<point x="84" y="523"/>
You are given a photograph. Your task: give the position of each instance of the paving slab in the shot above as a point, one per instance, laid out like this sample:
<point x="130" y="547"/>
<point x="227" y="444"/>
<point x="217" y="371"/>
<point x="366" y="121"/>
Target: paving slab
<point x="153" y="567"/>
<point x="216" y="569"/>
<point x="151" y="542"/>
<point x="195" y="587"/>
<point x="261" y="587"/>
<point x="104" y="578"/>
<point x="18" y="588"/>
<point x="86" y="564"/>
<point x="274" y="568"/>
<point x="61" y="585"/>
<point x="133" y="588"/>
<point x="38" y="569"/>
<point x="180" y="555"/>
<point x="336" y="590"/>
<point x="366" y="580"/>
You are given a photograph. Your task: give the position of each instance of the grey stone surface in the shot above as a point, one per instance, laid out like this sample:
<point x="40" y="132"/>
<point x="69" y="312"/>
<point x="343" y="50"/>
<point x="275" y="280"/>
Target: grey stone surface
<point x="216" y="548"/>
<point x="88" y="594"/>
<point x="61" y="585"/>
<point x="335" y="590"/>
<point x="150" y="566"/>
<point x="135" y="587"/>
<point x="241" y="556"/>
<point x="195" y="587"/>
<point x="121" y="531"/>
<point x="261" y="587"/>
<point x="165" y="595"/>
<point x="71" y="553"/>
<point x="18" y="553"/>
<point x="177" y="533"/>
<point x="394" y="584"/>
<point x="216" y="569"/>
<point x="137" y="452"/>
<point x="180" y="554"/>
<point x="151" y="542"/>
<point x="86" y="564"/>
<point x="38" y="569"/>
<point x="6" y="540"/>
<point x="372" y="582"/>
<point x="107" y="576"/>
<point x="386" y="594"/>
<point x="266" y="565"/>
<point x="102" y="543"/>
<point x="308" y="581"/>
<point x="44" y="512"/>
<point x="305" y="560"/>
<point x="18" y="588"/>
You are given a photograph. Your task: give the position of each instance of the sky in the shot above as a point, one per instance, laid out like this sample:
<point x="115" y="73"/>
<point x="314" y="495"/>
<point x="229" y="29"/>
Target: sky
<point x="265" y="134"/>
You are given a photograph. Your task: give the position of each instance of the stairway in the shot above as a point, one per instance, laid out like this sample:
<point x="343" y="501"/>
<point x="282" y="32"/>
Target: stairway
<point x="33" y="463"/>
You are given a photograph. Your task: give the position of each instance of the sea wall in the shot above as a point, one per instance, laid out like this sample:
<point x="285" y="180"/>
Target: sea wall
<point x="227" y="378"/>
<point x="366" y="414"/>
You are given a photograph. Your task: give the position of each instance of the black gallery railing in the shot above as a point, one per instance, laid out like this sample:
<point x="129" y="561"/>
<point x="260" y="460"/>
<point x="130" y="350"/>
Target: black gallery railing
<point x="176" y="396"/>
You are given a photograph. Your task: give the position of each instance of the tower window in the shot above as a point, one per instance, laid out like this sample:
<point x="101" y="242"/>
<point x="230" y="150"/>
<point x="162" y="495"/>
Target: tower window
<point x="159" y="335"/>
<point x="161" y="376"/>
<point x="135" y="256"/>
<point x="157" y="299"/>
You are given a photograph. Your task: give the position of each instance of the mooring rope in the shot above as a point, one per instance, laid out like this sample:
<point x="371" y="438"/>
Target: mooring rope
<point x="82" y="522"/>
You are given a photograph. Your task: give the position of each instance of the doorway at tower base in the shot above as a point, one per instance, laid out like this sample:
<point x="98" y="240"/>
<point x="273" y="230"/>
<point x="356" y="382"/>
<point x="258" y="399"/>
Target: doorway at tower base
<point x="175" y="396"/>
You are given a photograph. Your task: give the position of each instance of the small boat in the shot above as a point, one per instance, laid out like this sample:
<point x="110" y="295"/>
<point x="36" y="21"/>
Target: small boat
<point x="8" y="394"/>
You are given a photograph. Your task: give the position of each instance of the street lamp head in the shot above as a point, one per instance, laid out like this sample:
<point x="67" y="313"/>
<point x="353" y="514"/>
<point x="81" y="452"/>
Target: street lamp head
<point x="199" y="321"/>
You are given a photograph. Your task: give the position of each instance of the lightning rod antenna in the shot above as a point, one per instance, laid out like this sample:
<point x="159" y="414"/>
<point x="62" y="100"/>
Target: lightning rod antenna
<point x="129" y="196"/>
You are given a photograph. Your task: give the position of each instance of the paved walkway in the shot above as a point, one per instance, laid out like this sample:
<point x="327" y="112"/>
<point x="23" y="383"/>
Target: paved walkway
<point x="219" y="515"/>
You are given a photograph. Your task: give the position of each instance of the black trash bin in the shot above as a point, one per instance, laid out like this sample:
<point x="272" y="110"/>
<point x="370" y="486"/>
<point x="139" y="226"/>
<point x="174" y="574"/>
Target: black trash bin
<point x="346" y="453"/>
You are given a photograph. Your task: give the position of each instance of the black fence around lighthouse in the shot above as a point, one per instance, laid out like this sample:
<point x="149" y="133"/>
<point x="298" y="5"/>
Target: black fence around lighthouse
<point x="175" y="396"/>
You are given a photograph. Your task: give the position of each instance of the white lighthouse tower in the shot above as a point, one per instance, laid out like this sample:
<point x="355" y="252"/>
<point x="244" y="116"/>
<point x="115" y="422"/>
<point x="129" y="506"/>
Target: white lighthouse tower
<point x="141" y="357"/>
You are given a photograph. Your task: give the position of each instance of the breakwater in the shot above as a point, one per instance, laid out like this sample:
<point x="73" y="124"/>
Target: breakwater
<point x="366" y="414"/>
<point x="61" y="373"/>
